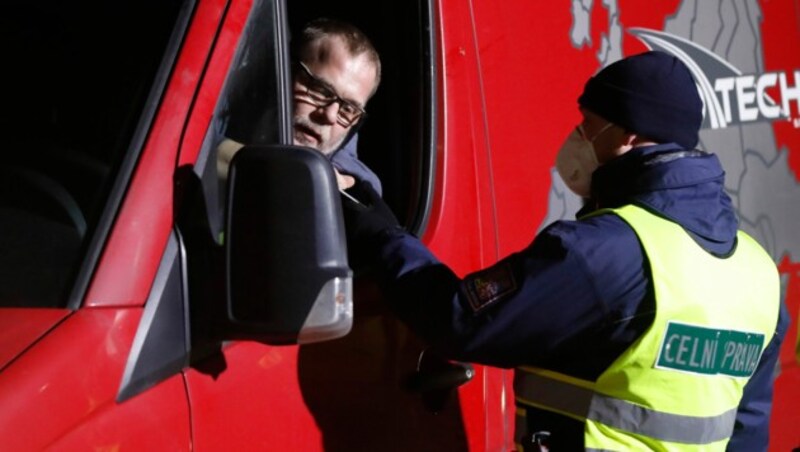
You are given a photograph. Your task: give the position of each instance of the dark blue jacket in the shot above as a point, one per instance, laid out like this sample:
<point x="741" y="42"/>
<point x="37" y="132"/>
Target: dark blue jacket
<point x="345" y="159"/>
<point x="581" y="293"/>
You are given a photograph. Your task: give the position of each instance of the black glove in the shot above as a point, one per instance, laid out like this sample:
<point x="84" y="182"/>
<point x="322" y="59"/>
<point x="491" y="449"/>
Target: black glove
<point x="367" y="217"/>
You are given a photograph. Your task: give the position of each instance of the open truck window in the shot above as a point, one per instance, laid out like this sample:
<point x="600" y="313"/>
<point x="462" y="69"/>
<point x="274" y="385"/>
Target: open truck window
<point x="397" y="140"/>
<point x="82" y="81"/>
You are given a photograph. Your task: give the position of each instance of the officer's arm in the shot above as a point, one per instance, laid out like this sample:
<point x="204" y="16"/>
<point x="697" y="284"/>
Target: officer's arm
<point x="523" y="309"/>
<point x="516" y="311"/>
<point x="751" y="431"/>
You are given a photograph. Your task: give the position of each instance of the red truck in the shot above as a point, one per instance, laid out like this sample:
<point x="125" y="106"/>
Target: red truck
<point x="147" y="305"/>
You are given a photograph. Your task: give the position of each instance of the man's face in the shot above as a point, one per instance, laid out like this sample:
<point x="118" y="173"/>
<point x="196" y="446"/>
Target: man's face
<point x="332" y="68"/>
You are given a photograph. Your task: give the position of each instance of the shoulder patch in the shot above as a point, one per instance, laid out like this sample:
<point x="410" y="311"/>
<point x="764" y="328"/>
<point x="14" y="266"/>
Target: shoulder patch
<point x="487" y="287"/>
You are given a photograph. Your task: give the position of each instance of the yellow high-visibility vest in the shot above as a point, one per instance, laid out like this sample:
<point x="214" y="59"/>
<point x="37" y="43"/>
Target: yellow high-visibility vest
<point x="678" y="386"/>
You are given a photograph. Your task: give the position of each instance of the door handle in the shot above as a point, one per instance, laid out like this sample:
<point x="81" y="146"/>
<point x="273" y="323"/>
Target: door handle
<point x="436" y="377"/>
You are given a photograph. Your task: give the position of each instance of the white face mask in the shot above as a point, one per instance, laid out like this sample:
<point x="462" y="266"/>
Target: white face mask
<point x="577" y="160"/>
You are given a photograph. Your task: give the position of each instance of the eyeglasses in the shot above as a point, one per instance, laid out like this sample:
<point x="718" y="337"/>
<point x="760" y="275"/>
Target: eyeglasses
<point x="321" y="94"/>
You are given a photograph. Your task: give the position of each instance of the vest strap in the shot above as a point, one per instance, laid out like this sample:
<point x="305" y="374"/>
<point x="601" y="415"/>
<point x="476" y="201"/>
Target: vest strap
<point x="582" y="403"/>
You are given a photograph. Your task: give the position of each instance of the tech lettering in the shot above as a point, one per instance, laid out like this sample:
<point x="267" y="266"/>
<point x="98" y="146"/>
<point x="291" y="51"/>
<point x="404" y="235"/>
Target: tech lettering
<point x="746" y="95"/>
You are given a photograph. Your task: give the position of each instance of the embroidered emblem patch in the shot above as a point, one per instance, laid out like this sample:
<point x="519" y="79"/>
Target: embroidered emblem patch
<point x="489" y="286"/>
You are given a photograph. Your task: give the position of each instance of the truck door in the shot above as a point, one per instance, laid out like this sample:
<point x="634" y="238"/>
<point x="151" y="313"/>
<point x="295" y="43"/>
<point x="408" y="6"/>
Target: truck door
<point x="357" y="392"/>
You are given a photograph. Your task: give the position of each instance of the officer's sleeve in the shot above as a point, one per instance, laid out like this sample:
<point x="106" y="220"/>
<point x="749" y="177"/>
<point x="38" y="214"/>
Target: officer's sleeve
<point x="751" y="431"/>
<point x="516" y="311"/>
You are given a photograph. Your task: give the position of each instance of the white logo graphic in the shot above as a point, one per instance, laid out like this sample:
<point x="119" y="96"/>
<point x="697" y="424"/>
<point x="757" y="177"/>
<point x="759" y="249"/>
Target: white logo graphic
<point x="729" y="97"/>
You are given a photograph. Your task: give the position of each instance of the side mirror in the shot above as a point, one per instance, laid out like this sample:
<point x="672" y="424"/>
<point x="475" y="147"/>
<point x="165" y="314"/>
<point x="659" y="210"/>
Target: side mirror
<point x="287" y="277"/>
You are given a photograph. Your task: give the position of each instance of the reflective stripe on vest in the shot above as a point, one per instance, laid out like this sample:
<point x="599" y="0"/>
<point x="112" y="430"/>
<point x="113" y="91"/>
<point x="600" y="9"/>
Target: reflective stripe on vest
<point x="583" y="403"/>
<point x="679" y="384"/>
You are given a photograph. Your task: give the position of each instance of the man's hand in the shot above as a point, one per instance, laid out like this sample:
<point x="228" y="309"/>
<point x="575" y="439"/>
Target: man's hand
<point x="343" y="180"/>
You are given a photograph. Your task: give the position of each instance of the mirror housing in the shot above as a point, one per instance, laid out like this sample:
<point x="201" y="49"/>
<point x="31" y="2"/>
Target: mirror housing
<point x="287" y="276"/>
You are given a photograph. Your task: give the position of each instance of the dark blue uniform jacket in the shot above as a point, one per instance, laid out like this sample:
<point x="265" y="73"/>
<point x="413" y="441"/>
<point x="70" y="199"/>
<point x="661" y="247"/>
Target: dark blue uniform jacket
<point x="582" y="291"/>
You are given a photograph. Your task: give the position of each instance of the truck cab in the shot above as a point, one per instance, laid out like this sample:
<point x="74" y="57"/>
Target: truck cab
<point x="151" y="298"/>
<point x="123" y="245"/>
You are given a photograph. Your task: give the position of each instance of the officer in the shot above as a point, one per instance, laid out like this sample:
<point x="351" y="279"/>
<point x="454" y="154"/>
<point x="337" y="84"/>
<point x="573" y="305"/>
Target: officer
<point x="651" y="322"/>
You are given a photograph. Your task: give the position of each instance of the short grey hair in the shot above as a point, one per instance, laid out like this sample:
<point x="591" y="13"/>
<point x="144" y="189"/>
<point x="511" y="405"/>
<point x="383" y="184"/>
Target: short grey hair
<point x="355" y="40"/>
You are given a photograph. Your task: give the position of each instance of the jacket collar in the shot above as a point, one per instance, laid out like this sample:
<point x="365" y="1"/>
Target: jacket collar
<point x="685" y="186"/>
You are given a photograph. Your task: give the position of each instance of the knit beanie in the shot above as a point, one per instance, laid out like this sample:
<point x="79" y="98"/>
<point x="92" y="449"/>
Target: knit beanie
<point x="651" y="94"/>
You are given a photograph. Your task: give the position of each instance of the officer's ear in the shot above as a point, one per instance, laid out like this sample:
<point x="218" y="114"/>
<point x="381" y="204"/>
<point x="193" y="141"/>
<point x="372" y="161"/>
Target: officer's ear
<point x="629" y="138"/>
<point x="637" y="139"/>
<point x="623" y="142"/>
